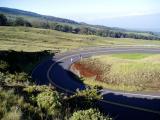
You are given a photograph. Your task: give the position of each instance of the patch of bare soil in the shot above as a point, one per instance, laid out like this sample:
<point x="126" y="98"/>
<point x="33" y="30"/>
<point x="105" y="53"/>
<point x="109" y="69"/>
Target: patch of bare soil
<point x="85" y="70"/>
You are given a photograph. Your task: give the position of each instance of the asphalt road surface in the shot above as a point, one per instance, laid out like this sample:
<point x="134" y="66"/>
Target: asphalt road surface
<point x="120" y="105"/>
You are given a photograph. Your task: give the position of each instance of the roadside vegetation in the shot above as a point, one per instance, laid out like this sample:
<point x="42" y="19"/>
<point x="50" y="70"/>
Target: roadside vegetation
<point x="21" y="98"/>
<point x="129" y="72"/>
<point x="24" y="44"/>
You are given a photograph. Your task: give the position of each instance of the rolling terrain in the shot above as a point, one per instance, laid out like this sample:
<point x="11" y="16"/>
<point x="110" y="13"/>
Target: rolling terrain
<point x="66" y="25"/>
<point x="126" y="72"/>
<point x="35" y="39"/>
<point x="31" y="89"/>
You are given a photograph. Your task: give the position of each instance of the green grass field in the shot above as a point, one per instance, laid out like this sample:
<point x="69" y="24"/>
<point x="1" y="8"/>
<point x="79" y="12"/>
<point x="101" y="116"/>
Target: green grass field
<point x="34" y="39"/>
<point x="130" y="72"/>
<point x="131" y="56"/>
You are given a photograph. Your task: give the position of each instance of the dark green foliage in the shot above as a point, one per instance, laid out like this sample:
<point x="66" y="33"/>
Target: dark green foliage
<point x="67" y="28"/>
<point x="21" y="22"/>
<point x="14" y="105"/>
<point x="22" y="61"/>
<point x="9" y="104"/>
<point x="3" y="20"/>
<point x="3" y="66"/>
<point x="84" y="99"/>
<point x="76" y="30"/>
<point x="17" y="78"/>
<point x="21" y="98"/>
<point x="90" y="114"/>
<point x="8" y="79"/>
<point x="35" y="89"/>
<point x="18" y="104"/>
<point x="49" y="102"/>
<point x="28" y="24"/>
<point x="98" y="87"/>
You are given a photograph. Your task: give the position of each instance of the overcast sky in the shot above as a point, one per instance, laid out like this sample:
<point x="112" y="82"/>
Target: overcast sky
<point x="86" y="10"/>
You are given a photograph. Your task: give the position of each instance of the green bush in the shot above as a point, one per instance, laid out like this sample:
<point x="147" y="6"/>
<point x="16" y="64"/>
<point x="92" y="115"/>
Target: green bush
<point x="2" y="78"/>
<point x="14" y="114"/>
<point x="98" y="87"/>
<point x="84" y="99"/>
<point x="49" y="101"/>
<point x="3" y="20"/>
<point x="8" y="101"/>
<point x="3" y="66"/>
<point x="37" y="89"/>
<point x="17" y="78"/>
<point x="90" y="114"/>
<point x="20" y="21"/>
<point x="90" y="94"/>
<point x="17" y="107"/>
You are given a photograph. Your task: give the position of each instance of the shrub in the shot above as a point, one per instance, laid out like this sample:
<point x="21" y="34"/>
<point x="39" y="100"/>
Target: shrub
<point x="17" y="78"/>
<point x="49" y="101"/>
<point x="98" y="87"/>
<point x="14" y="114"/>
<point x="3" y="66"/>
<point x="90" y="114"/>
<point x="90" y="94"/>
<point x="19" y="21"/>
<point x="9" y="101"/>
<point x="84" y="99"/>
<point x="37" y="88"/>
<point x="2" y="78"/>
<point x="3" y="20"/>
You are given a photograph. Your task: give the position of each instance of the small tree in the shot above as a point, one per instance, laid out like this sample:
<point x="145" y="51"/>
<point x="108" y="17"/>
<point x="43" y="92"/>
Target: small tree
<point x="84" y="99"/>
<point x="28" y="24"/>
<point x="19" y="21"/>
<point x="3" y="20"/>
<point x="90" y="114"/>
<point x="76" y="30"/>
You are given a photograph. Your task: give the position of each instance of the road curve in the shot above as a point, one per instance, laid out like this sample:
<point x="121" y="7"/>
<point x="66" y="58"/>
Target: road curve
<point x="121" y="105"/>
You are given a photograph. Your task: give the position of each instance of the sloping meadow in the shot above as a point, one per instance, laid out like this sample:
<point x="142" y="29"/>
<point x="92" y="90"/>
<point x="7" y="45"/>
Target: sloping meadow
<point x="134" y="72"/>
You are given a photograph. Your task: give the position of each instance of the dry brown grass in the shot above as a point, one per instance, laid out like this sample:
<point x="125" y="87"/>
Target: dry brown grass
<point x="130" y="74"/>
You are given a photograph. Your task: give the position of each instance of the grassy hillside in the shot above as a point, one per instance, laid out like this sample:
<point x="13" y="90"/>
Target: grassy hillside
<point x="20" y="96"/>
<point x="66" y="25"/>
<point x="16" y="12"/>
<point x="34" y="39"/>
<point x="130" y="72"/>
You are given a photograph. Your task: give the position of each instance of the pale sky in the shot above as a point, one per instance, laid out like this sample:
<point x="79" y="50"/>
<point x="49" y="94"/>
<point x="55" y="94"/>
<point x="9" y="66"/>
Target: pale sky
<point x="86" y="10"/>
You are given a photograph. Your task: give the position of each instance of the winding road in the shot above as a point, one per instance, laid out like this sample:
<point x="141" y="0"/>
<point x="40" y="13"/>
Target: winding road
<point x="120" y="105"/>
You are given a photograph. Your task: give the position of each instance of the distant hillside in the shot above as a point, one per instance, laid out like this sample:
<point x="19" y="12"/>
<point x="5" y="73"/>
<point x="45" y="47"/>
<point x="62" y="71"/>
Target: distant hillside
<point x="66" y="25"/>
<point x="32" y="14"/>
<point x="138" y="22"/>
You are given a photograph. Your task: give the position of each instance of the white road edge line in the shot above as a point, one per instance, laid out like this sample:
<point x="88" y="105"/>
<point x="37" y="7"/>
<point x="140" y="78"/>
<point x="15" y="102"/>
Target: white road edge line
<point x="100" y="52"/>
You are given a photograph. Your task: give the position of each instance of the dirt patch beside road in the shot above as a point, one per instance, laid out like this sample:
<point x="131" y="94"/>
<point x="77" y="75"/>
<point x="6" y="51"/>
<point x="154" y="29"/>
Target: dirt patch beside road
<point x="84" y="70"/>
